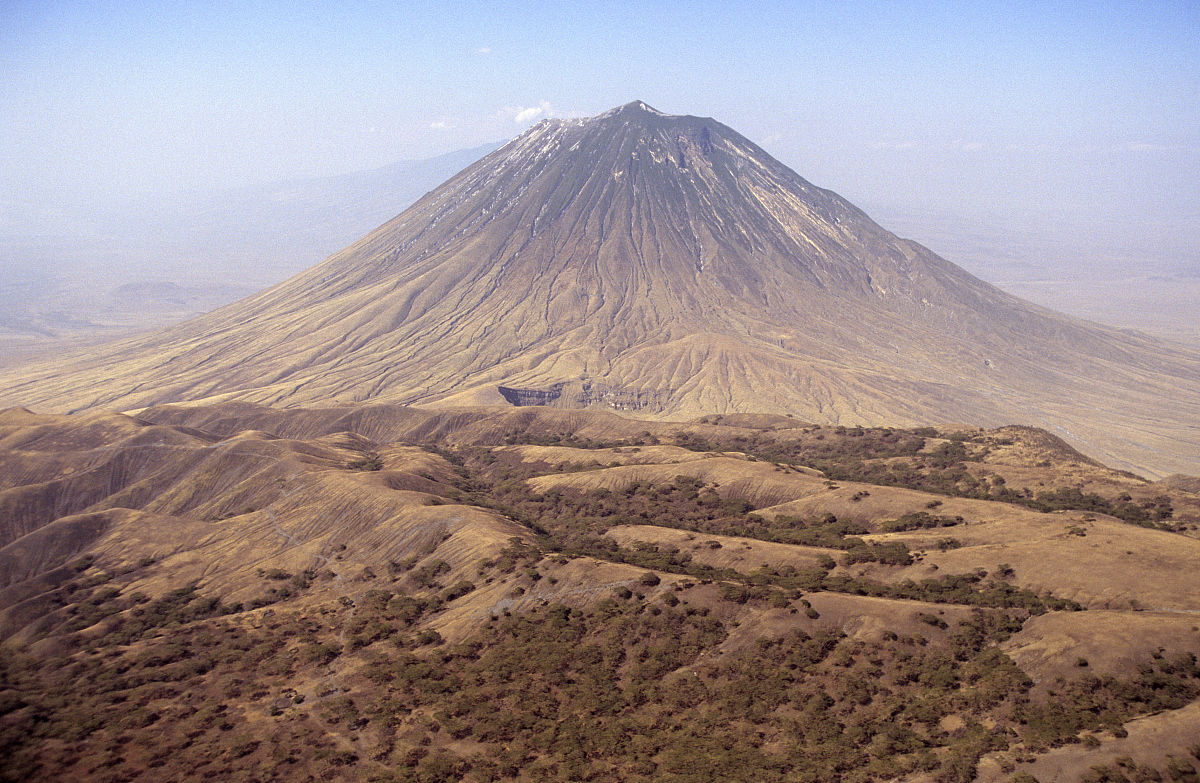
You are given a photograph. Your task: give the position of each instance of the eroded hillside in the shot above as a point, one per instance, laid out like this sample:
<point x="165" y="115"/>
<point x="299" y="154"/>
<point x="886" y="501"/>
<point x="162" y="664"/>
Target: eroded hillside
<point x="664" y="266"/>
<point x="382" y="593"/>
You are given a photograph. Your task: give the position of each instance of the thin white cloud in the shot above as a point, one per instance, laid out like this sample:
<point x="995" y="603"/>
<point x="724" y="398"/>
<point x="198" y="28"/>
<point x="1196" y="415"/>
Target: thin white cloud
<point x="1096" y="149"/>
<point x="957" y="145"/>
<point x="439" y="124"/>
<point x="525" y="114"/>
<point x="1042" y="149"/>
<point x="483" y="50"/>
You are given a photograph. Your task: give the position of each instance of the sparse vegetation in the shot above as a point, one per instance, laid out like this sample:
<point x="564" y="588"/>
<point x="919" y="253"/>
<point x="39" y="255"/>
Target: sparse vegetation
<point x="569" y="686"/>
<point x="354" y="668"/>
<point x="369" y="462"/>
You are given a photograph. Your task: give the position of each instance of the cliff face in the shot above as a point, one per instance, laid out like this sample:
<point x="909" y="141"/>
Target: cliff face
<point x="663" y="264"/>
<point x="522" y="397"/>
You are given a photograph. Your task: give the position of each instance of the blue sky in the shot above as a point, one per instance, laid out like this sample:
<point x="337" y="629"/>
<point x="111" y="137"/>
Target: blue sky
<point x="1070" y="117"/>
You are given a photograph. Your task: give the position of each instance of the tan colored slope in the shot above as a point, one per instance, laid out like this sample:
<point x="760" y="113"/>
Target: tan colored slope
<point x="217" y="504"/>
<point x="1111" y="565"/>
<point x="628" y="455"/>
<point x="740" y="554"/>
<point x="1021" y="454"/>
<point x="1111" y="642"/>
<point x="1150" y="740"/>
<point x="660" y="265"/>
<point x="490" y="425"/>
<point x="576" y="582"/>
<point x="862" y="618"/>
<point x="178" y="508"/>
<point x="1028" y="458"/>
<point x="758" y="482"/>
<point x="1095" y="560"/>
<point x="255" y="490"/>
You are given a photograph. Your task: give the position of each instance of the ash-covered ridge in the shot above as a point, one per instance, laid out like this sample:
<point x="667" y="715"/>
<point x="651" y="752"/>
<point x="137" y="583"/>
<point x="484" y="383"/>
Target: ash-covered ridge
<point x="662" y="264"/>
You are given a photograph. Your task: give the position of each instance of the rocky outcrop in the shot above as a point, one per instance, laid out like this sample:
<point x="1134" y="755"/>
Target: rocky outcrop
<point x="520" y="397"/>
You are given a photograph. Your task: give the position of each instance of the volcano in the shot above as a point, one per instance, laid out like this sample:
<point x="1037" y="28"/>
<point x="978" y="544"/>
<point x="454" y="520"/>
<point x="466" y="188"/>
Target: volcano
<point x="664" y="266"/>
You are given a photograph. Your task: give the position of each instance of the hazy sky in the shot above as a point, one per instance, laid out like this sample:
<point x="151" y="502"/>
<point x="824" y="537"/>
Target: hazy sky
<point x="1061" y="117"/>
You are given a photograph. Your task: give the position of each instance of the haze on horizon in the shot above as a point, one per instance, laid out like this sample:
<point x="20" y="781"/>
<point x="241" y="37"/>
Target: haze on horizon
<point x="1057" y="138"/>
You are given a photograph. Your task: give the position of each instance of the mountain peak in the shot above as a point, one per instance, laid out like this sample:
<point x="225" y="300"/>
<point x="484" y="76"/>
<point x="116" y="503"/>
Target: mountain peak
<point x="633" y="113"/>
<point x="640" y="107"/>
<point x="655" y="263"/>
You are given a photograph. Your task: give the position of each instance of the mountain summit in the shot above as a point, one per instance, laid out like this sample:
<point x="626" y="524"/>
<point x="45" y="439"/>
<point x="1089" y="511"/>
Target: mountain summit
<point x="662" y="264"/>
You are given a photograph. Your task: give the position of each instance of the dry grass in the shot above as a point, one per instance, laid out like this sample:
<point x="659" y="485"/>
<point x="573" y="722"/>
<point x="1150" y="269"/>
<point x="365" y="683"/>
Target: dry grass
<point x="1111" y="642"/>
<point x="334" y="519"/>
<point x="1112" y="565"/>
<point x="741" y="554"/>
<point x="1151" y="739"/>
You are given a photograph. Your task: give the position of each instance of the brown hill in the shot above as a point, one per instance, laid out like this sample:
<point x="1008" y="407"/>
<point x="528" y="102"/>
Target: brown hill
<point x="663" y="265"/>
<point x="380" y="593"/>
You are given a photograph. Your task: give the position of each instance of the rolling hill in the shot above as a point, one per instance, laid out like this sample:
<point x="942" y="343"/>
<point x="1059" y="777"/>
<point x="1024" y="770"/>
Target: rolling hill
<point x="379" y="593"/>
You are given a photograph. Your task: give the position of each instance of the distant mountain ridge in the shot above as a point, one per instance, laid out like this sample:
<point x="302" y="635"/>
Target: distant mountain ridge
<point x="666" y="265"/>
<point x="67" y="278"/>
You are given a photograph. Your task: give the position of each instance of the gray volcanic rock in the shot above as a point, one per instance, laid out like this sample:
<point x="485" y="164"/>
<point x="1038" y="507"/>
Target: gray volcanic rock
<point x="663" y="264"/>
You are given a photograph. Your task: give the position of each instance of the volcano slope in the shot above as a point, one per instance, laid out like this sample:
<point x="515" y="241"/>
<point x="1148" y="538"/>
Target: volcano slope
<point x="664" y="266"/>
<point x="379" y="593"/>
